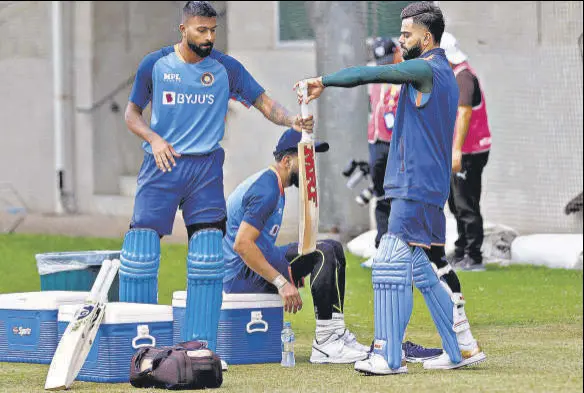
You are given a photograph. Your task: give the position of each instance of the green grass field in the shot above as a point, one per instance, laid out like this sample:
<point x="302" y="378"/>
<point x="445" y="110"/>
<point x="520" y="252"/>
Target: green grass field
<point x="528" y="320"/>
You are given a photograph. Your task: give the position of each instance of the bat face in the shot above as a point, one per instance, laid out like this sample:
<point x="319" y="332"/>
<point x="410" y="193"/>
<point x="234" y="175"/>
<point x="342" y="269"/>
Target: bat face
<point x="81" y="331"/>
<point x="308" y="224"/>
<point x="310" y="174"/>
<point x="74" y="346"/>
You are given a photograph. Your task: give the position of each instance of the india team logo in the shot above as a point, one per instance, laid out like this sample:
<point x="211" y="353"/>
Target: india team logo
<point x="168" y="98"/>
<point x="274" y="230"/>
<point x="207" y="79"/>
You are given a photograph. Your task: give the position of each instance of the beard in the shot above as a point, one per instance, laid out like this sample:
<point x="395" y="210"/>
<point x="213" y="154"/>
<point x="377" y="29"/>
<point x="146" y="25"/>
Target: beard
<point x="412" y="53"/>
<point x="294" y="179"/>
<point x="203" y="50"/>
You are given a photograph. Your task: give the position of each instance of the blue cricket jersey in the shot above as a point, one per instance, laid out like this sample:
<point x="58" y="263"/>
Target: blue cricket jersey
<point x="420" y="157"/>
<point x="259" y="201"/>
<point x="189" y="101"/>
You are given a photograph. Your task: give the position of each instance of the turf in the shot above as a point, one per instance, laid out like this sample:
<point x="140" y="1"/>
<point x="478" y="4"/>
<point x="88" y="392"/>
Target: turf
<point x="528" y="320"/>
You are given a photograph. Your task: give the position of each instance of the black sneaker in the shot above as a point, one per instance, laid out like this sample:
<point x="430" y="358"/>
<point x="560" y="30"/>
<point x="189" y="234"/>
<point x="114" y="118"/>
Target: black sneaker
<point x="454" y="260"/>
<point x="417" y="354"/>
<point x="469" y="265"/>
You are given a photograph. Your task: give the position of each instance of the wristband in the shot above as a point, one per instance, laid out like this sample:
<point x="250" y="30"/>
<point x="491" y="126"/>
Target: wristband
<point x="279" y="281"/>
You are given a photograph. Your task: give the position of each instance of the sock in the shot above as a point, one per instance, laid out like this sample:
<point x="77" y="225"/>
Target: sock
<point x="325" y="328"/>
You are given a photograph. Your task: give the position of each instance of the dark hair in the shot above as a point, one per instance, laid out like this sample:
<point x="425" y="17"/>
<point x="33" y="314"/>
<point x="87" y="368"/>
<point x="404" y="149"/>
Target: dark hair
<point x="427" y="15"/>
<point x="280" y="155"/>
<point x="199" y="8"/>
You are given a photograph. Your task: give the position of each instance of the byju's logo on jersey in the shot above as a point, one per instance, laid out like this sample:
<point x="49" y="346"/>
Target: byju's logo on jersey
<point x="172" y="77"/>
<point x="168" y="98"/>
<point x="173" y="98"/>
<point x="207" y="79"/>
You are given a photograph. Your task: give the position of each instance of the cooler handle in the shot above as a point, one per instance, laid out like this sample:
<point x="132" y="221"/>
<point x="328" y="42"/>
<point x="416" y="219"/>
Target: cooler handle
<point x="256" y="319"/>
<point x="143" y="334"/>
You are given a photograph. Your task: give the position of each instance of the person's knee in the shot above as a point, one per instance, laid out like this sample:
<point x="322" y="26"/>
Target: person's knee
<point x="332" y="251"/>
<point x="220" y="225"/>
<point x="437" y="255"/>
<point x="151" y="227"/>
<point x="337" y="248"/>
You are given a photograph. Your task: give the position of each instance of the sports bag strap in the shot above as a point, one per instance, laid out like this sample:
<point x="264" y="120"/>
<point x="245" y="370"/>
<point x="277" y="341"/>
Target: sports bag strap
<point x="139" y="356"/>
<point x="188" y="367"/>
<point x="159" y="358"/>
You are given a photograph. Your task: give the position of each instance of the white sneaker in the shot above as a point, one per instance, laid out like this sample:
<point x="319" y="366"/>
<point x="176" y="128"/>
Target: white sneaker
<point x="368" y="263"/>
<point x="224" y="366"/>
<point x="469" y="358"/>
<point x="351" y="341"/>
<point x="334" y="350"/>
<point x="376" y="364"/>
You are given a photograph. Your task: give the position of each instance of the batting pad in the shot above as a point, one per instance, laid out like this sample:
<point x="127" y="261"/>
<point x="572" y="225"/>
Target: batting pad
<point x="140" y="259"/>
<point x="393" y="298"/>
<point x="205" y="271"/>
<point x="438" y="301"/>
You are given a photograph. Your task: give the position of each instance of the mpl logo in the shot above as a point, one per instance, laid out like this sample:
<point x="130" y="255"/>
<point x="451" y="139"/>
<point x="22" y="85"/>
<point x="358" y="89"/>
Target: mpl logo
<point x="172" y="77"/>
<point x="168" y="98"/>
<point x="21" y="331"/>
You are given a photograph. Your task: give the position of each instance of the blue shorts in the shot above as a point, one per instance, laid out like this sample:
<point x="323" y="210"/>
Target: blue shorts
<point x="248" y="281"/>
<point x="195" y="185"/>
<point x="417" y="223"/>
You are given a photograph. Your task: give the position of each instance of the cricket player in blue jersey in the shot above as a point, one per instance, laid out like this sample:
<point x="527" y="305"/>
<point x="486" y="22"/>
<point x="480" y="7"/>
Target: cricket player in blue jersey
<point x="417" y="182"/>
<point x="254" y="264"/>
<point x="188" y="85"/>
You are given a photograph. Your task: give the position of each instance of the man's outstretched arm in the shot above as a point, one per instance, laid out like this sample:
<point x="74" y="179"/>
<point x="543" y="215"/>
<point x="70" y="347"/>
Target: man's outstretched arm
<point x="417" y="72"/>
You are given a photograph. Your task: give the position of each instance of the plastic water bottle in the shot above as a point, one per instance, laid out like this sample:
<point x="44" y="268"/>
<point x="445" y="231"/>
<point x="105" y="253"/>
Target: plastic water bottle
<point x="288" y="339"/>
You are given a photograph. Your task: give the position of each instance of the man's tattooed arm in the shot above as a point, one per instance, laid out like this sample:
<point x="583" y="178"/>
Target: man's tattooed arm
<point x="274" y="111"/>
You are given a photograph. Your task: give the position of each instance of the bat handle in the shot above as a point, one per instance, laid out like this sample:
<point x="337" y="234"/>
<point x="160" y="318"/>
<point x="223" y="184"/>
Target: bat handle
<point x="306" y="137"/>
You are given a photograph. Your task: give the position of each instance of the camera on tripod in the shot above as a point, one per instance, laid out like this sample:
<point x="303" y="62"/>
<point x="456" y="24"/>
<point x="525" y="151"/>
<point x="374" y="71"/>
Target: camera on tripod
<point x="357" y="171"/>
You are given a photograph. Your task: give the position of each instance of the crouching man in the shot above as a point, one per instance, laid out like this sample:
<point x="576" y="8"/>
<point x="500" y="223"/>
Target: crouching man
<point x="254" y="264"/>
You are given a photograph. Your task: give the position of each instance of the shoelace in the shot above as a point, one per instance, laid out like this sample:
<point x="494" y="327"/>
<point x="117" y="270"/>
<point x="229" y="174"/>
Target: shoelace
<point x="410" y="344"/>
<point x="350" y="337"/>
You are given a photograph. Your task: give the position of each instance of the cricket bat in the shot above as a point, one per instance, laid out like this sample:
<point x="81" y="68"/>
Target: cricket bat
<point x="308" y="226"/>
<point x="81" y="331"/>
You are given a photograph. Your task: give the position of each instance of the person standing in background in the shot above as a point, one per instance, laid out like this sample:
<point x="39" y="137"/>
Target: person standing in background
<point x="470" y="153"/>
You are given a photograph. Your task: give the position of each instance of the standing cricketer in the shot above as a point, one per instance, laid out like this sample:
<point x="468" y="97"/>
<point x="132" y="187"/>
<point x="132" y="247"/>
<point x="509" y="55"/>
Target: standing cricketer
<point x="254" y="264"/>
<point x="189" y="85"/>
<point x="417" y="181"/>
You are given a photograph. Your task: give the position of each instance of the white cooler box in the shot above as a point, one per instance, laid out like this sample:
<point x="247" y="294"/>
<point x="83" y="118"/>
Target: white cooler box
<point x="249" y="327"/>
<point x="28" y="324"/>
<point x="124" y="328"/>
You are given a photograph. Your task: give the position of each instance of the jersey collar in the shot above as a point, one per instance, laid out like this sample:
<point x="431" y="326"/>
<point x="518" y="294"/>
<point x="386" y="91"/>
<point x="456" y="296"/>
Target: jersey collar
<point x="279" y="180"/>
<point x="182" y="59"/>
